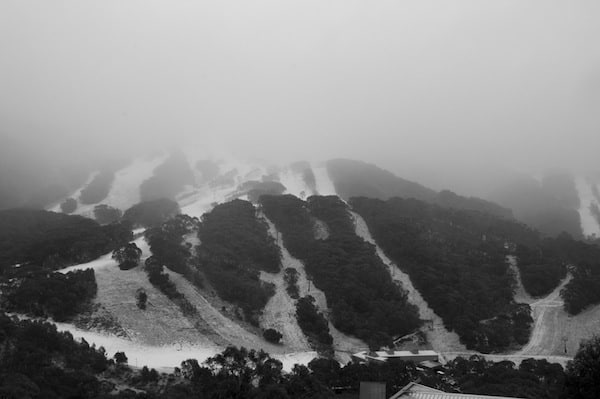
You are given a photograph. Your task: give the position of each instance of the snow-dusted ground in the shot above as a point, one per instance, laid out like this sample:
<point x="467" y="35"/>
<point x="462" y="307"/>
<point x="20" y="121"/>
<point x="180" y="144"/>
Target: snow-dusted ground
<point x="163" y="357"/>
<point x="106" y="260"/>
<point x="589" y="224"/>
<point x="294" y="183"/>
<point x="125" y="190"/>
<point x="152" y="344"/>
<point x="324" y="184"/>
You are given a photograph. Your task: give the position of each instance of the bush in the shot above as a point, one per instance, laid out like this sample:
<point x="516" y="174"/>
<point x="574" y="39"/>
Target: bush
<point x="105" y="214"/>
<point x="151" y="213"/>
<point x="68" y="206"/>
<point x="141" y="298"/>
<point x="272" y="335"/>
<point x="55" y="295"/>
<point x="128" y="256"/>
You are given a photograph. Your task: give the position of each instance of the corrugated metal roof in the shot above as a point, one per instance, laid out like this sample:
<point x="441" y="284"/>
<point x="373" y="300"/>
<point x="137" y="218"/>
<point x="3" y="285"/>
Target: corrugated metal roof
<point x="418" y="391"/>
<point x="444" y="395"/>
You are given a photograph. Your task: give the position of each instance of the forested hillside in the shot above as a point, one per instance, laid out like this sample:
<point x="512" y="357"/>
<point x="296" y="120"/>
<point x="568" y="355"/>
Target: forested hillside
<point x="235" y="247"/>
<point x="359" y="179"/>
<point x="363" y="299"/>
<point x="457" y="260"/>
<point x="54" y="240"/>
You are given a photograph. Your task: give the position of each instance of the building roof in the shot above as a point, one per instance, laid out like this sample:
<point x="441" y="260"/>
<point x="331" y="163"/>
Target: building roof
<point x="384" y="355"/>
<point x="418" y="391"/>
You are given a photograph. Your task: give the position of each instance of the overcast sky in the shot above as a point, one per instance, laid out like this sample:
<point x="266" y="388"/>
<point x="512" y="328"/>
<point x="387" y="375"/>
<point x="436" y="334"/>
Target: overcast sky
<point x="436" y="83"/>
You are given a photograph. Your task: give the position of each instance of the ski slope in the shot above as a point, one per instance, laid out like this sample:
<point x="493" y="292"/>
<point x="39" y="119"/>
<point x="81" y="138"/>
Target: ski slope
<point x="589" y="224"/>
<point x="324" y="183"/>
<point x="438" y="336"/>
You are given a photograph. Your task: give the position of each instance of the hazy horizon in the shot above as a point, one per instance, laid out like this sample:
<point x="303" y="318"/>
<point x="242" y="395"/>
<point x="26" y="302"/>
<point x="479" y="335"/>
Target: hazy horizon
<point x="428" y="89"/>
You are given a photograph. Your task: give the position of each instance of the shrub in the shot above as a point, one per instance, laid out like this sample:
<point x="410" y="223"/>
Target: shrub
<point x="68" y="206"/>
<point x="272" y="335"/>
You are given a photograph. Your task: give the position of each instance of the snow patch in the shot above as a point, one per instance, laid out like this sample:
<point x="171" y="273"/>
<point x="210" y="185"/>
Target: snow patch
<point x="107" y="261"/>
<point x="166" y="356"/>
<point x="294" y="183"/>
<point x="589" y="224"/>
<point x="324" y="183"/>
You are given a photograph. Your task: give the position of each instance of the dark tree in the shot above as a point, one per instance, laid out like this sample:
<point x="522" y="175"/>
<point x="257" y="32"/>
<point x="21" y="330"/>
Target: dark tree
<point x="583" y="373"/>
<point x="68" y="206"/>
<point x="141" y="298"/>
<point x="151" y="213"/>
<point x="120" y="358"/>
<point x="105" y="214"/>
<point x="128" y="256"/>
<point x="272" y="335"/>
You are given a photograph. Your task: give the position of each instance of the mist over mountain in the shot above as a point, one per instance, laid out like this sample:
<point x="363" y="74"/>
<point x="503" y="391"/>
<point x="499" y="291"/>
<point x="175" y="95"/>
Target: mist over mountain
<point x="279" y="199"/>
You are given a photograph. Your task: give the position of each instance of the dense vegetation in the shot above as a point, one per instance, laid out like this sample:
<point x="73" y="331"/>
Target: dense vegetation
<point x="105" y="214"/>
<point x="584" y="288"/>
<point x="54" y="240"/>
<point x="98" y="189"/>
<point x="56" y="295"/>
<point x="39" y="362"/>
<point x="151" y="213"/>
<point x="235" y="247"/>
<point x="127" y="256"/>
<point x="313" y="324"/>
<point x="169" y="249"/>
<point x="169" y="178"/>
<point x="540" y="267"/>
<point x="363" y="299"/>
<point x="457" y="260"/>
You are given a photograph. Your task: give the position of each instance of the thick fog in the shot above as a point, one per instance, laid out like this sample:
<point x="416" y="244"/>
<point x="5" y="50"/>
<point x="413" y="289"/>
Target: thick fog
<point x="428" y="89"/>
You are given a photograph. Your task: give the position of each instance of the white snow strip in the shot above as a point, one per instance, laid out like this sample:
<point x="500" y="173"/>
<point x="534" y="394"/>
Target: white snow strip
<point x="163" y="357"/>
<point x="125" y="191"/>
<point x="75" y="195"/>
<point x="294" y="183"/>
<point x="324" y="184"/>
<point x="589" y="224"/>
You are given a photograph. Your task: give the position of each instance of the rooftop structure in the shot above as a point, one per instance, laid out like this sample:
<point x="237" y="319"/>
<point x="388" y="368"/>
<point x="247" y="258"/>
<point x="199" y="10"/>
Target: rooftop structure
<point x="418" y="391"/>
<point x="416" y="356"/>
